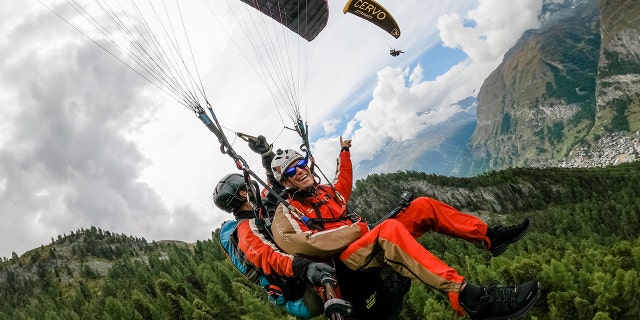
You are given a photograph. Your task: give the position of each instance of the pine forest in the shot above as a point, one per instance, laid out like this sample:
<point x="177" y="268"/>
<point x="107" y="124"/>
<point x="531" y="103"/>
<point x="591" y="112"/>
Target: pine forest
<point x="584" y="248"/>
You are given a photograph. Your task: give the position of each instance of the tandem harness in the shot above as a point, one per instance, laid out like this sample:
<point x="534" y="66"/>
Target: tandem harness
<point x="317" y="223"/>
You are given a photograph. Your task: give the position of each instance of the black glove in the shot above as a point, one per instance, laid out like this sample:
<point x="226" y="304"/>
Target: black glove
<point x="260" y="145"/>
<point x="317" y="271"/>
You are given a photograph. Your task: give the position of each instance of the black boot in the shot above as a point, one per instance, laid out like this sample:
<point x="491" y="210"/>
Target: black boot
<point x="501" y="237"/>
<point x="497" y="303"/>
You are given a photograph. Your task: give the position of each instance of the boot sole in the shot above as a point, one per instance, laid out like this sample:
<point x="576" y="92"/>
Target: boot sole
<point x="503" y="247"/>
<point x="522" y="311"/>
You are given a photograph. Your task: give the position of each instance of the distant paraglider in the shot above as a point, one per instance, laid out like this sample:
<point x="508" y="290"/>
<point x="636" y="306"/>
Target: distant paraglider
<point x="374" y="13"/>
<point x="394" y="52"/>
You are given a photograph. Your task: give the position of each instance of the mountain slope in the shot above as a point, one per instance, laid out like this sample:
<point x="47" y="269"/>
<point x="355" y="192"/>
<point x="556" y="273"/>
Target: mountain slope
<point x="565" y="93"/>
<point x="540" y="101"/>
<point x="618" y="85"/>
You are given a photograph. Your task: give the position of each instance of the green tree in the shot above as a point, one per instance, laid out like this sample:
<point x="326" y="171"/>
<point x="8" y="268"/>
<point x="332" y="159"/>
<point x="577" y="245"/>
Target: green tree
<point x="115" y="309"/>
<point x="52" y="315"/>
<point x="141" y="305"/>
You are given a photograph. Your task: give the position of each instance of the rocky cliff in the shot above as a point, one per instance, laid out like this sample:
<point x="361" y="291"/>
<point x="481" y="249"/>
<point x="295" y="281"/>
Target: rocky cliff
<point x="618" y="82"/>
<point x="564" y="92"/>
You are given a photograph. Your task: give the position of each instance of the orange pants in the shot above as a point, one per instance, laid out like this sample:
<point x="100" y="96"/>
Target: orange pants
<point x="393" y="242"/>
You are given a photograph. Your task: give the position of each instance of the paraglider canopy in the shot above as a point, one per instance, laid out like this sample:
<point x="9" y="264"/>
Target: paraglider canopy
<point x="374" y="13"/>
<point x="306" y="18"/>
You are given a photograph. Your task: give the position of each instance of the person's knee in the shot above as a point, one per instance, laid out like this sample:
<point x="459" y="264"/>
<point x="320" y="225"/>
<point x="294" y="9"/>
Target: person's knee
<point x="391" y="228"/>
<point x="423" y="206"/>
<point x="390" y="224"/>
<point x="423" y="201"/>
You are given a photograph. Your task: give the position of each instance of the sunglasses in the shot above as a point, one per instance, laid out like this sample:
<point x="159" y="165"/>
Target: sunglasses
<point x="291" y="172"/>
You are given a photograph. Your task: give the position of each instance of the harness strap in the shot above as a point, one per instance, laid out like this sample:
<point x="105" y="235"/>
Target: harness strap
<point x="318" y="222"/>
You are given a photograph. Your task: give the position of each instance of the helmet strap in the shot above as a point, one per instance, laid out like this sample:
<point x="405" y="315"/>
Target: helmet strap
<point x="251" y="194"/>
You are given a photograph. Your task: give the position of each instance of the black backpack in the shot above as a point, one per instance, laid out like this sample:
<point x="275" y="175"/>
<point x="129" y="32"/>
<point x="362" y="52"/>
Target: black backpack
<point x="377" y="293"/>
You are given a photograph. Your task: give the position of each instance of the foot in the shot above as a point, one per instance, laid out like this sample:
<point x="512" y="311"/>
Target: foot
<point x="501" y="237"/>
<point x="497" y="303"/>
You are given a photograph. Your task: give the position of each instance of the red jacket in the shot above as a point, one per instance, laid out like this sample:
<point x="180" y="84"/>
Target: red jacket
<point x="319" y="226"/>
<point x="261" y="252"/>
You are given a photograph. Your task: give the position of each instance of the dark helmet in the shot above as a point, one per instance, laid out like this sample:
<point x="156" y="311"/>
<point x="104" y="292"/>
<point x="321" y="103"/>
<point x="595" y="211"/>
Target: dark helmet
<point x="226" y="196"/>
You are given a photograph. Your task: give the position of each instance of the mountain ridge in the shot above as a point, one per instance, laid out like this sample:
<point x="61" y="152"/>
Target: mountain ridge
<point x="565" y="95"/>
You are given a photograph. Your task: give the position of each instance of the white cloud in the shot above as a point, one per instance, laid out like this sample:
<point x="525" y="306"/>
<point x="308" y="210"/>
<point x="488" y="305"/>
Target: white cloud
<point x="66" y="162"/>
<point x="330" y="126"/>
<point x="416" y="75"/>
<point x="494" y="30"/>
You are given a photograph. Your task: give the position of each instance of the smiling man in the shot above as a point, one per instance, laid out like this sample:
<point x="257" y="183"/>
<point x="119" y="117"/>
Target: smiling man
<point x="315" y="223"/>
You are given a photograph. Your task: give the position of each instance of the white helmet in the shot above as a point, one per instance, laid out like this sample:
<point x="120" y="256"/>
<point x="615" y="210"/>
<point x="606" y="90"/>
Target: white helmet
<point x="282" y="160"/>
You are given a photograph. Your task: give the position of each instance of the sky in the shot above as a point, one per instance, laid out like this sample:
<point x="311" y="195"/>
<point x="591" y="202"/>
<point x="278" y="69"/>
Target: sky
<point x="85" y="141"/>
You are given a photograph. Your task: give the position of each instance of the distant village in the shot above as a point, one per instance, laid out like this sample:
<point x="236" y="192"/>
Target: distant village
<point x="610" y="150"/>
